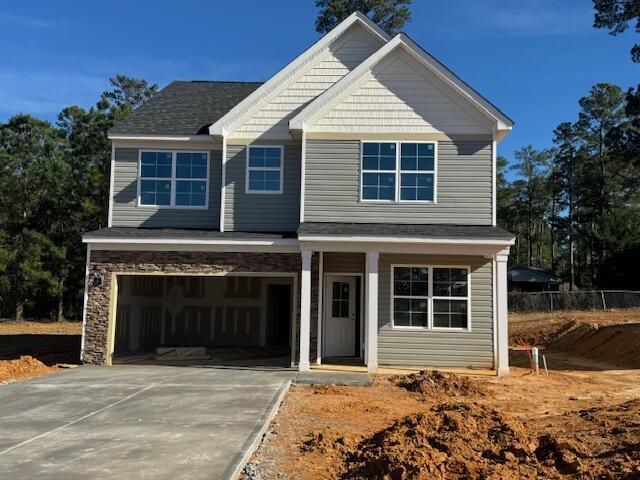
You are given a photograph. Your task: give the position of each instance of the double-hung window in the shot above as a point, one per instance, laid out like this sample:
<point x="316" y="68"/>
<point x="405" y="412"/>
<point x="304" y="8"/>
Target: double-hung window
<point x="173" y="179"/>
<point x="264" y="169"/>
<point x="430" y="297"/>
<point x="398" y="171"/>
<point x="379" y="171"/>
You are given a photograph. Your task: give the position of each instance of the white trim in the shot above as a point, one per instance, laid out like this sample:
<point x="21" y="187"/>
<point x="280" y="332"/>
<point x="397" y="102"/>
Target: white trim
<point x="196" y="241"/>
<point x="173" y="179"/>
<point x="249" y="168"/>
<point x="307" y="116"/>
<point x="85" y="301"/>
<point x="494" y="182"/>
<point x="494" y="311"/>
<point x="303" y="171"/>
<point x="385" y="239"/>
<point x="111" y="184"/>
<point x="223" y="182"/>
<point x="398" y="172"/>
<point x="501" y="334"/>
<point x="430" y="298"/>
<point x="171" y="138"/>
<point x="320" y="307"/>
<point x="225" y="124"/>
<point x="372" y="267"/>
<point x="305" y="309"/>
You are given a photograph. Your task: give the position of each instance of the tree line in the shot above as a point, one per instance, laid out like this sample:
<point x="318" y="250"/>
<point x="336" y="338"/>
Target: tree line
<point x="54" y="186"/>
<point x="575" y="207"/>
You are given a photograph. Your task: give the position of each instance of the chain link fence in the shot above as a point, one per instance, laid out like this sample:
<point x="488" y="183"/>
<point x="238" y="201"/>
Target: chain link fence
<point x="523" y="302"/>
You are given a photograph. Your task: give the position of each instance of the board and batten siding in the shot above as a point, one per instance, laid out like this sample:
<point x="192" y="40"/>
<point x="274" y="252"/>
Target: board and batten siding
<point x="464" y="186"/>
<point x="347" y="52"/>
<point x="127" y="213"/>
<point x="431" y="348"/>
<point x="261" y="212"/>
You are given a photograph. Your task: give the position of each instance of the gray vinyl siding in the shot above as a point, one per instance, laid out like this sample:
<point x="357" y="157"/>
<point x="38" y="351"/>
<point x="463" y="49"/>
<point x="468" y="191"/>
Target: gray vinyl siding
<point x="127" y="213"/>
<point x="432" y="348"/>
<point x="252" y="212"/>
<point x="464" y="186"/>
<point x="343" y="262"/>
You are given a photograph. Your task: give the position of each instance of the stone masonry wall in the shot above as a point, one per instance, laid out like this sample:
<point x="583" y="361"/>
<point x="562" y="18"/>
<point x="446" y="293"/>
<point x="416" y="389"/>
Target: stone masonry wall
<point x="106" y="263"/>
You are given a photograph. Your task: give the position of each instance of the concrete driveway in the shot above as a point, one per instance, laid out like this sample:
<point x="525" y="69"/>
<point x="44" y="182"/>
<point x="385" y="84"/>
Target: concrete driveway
<point x="135" y="422"/>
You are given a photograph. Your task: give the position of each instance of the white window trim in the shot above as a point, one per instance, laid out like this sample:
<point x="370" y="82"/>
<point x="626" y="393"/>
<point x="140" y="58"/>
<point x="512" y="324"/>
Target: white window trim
<point x="430" y="298"/>
<point x="398" y="171"/>
<point x="173" y="179"/>
<point x="273" y="169"/>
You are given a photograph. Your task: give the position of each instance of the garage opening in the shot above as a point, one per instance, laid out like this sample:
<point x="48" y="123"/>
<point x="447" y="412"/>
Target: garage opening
<point x="235" y="320"/>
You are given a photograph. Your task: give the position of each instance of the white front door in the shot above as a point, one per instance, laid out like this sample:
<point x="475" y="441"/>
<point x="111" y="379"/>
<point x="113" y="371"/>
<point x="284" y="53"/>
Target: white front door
<point x="340" y="317"/>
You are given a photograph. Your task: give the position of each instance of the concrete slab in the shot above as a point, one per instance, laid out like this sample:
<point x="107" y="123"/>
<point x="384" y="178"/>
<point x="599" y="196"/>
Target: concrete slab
<point x="351" y="379"/>
<point x="136" y="422"/>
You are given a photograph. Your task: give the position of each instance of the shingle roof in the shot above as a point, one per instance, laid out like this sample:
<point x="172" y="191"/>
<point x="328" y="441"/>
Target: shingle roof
<point x="479" y="232"/>
<point x="133" y="233"/>
<point x="185" y="108"/>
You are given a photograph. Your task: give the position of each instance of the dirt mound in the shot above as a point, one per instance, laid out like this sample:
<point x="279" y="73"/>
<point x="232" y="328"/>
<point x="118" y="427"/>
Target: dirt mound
<point x="24" y="367"/>
<point x="615" y="344"/>
<point x="602" y="442"/>
<point x="437" y="385"/>
<point x="538" y="334"/>
<point x="452" y="440"/>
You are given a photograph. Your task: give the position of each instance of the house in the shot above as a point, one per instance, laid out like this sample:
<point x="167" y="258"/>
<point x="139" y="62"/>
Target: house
<point x="345" y="208"/>
<point x="525" y="278"/>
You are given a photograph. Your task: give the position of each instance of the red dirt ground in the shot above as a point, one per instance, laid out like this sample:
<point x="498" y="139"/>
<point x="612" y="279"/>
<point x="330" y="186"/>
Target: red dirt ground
<point x="581" y="421"/>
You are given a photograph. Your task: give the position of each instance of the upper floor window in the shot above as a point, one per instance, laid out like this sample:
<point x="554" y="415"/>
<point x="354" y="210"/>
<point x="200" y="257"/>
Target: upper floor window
<point x="398" y="171"/>
<point x="173" y="179"/>
<point x="264" y="169"/>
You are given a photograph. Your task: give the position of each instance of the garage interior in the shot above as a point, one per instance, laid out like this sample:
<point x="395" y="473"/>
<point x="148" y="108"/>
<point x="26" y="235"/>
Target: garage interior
<point x="238" y="320"/>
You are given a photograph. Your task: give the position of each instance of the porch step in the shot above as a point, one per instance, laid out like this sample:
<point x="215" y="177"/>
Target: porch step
<point x="349" y="379"/>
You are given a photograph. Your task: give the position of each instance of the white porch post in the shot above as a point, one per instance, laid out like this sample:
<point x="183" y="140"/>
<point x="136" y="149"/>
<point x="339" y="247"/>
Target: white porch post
<point x="371" y="327"/>
<point x="305" y="311"/>
<point x="502" y="335"/>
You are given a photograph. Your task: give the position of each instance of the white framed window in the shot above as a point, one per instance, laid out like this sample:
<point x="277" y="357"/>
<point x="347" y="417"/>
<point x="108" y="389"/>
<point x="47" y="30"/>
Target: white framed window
<point x="430" y="297"/>
<point x="398" y="172"/>
<point x="173" y="179"/>
<point x="264" y="169"/>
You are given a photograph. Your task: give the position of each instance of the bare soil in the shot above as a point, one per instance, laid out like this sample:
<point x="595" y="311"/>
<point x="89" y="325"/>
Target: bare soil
<point x="580" y="421"/>
<point x="34" y="348"/>
<point x="23" y="368"/>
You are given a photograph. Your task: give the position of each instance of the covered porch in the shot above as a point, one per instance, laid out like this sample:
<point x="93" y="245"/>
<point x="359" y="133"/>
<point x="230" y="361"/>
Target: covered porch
<point x="358" y="322"/>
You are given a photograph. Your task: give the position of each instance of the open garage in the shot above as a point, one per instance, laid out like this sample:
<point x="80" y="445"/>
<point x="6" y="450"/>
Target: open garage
<point x="227" y="319"/>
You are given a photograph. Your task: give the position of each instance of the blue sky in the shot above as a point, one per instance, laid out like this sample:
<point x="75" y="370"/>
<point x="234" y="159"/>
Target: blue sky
<point x="532" y="58"/>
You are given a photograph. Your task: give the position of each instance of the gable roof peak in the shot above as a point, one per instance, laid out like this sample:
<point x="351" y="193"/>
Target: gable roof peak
<point x="221" y="126"/>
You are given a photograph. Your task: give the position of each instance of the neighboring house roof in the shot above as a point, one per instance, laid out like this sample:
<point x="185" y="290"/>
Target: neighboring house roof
<point x="528" y="274"/>
<point x="330" y="97"/>
<point x="184" y="108"/>
<point x="378" y="230"/>
<point x="155" y="234"/>
<point x="220" y="126"/>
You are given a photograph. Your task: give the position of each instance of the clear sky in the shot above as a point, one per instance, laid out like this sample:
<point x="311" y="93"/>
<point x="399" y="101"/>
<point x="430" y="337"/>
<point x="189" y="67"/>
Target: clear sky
<point x="532" y="58"/>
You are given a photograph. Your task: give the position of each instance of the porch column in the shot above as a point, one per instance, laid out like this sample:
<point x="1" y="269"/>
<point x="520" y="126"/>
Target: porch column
<point x="371" y="327"/>
<point x="305" y="310"/>
<point x="502" y="335"/>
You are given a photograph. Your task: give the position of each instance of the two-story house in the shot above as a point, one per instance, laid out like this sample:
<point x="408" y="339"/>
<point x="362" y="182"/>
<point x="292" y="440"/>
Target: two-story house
<point x="344" y="208"/>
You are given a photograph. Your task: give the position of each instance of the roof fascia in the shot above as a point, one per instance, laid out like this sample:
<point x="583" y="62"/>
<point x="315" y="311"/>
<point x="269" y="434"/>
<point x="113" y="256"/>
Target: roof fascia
<point x="171" y="138"/>
<point x="221" y="126"/>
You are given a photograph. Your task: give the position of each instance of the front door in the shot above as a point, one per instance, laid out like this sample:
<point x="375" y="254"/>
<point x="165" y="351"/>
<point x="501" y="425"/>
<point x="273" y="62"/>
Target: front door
<point x="340" y="317"/>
